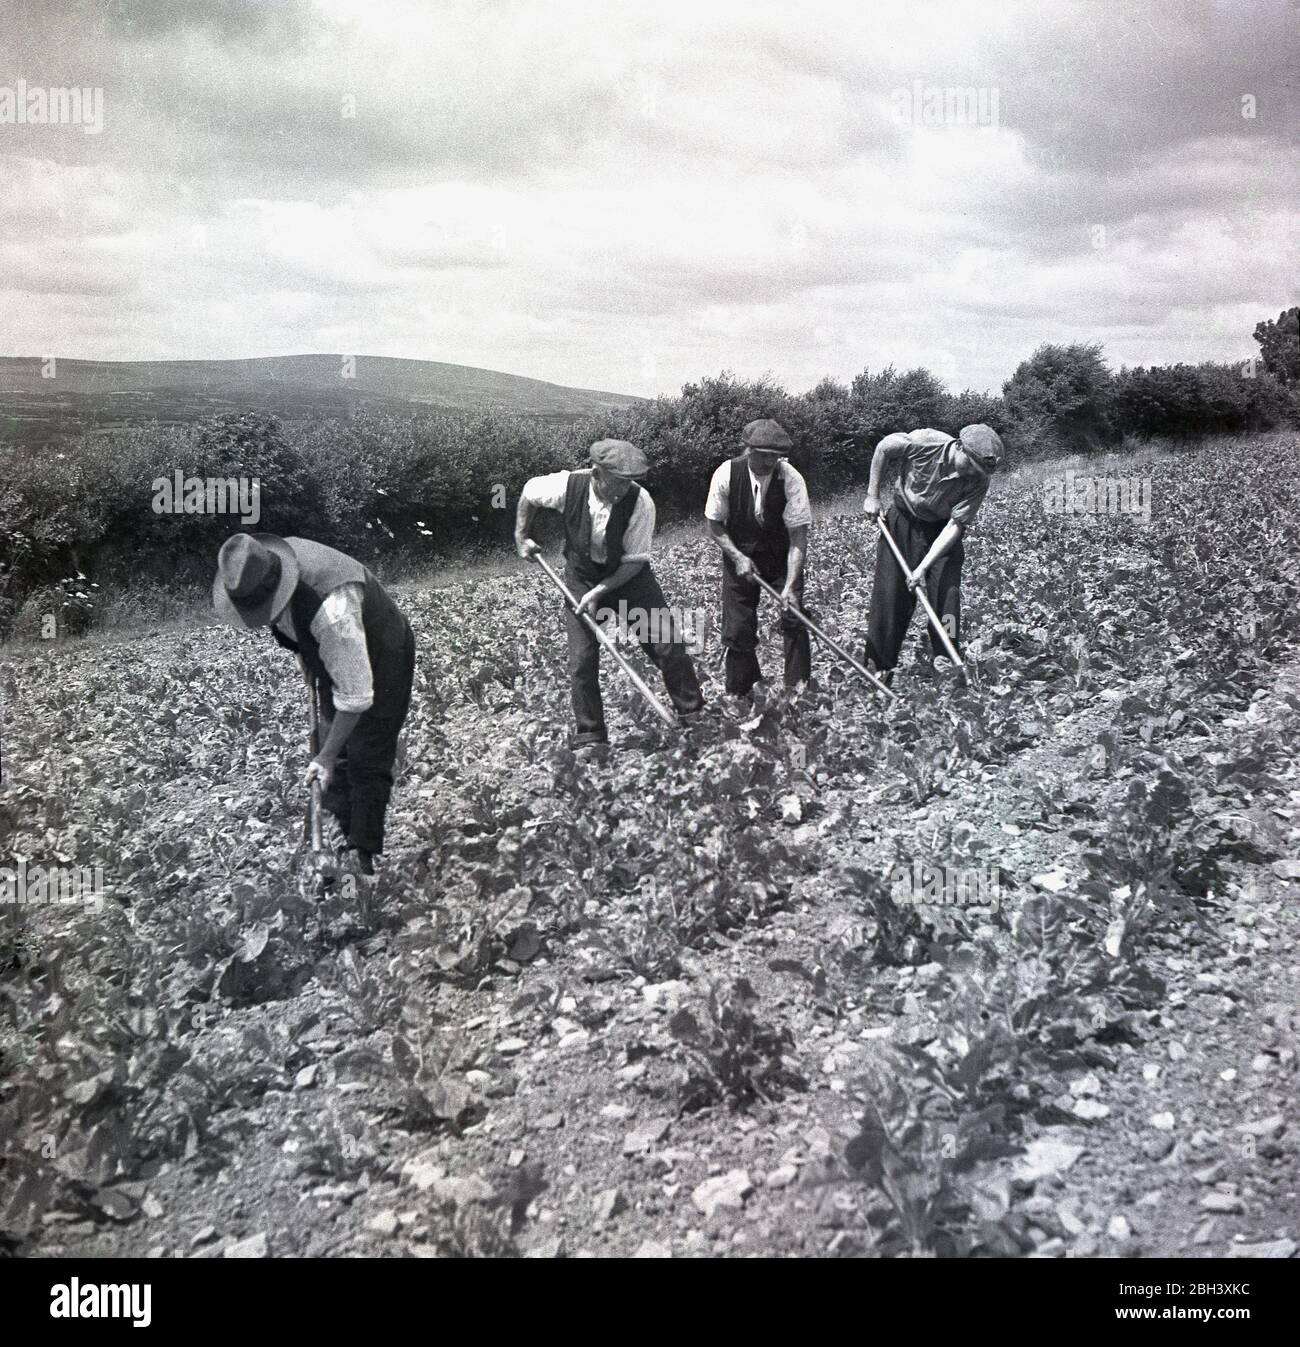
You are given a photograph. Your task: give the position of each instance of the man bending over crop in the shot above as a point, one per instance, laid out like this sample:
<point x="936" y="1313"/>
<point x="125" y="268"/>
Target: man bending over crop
<point x="609" y="522"/>
<point x="942" y="484"/>
<point x="358" y="652"/>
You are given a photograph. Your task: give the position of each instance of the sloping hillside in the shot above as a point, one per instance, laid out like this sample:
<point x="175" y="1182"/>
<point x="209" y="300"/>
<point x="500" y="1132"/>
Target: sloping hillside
<point x="37" y="406"/>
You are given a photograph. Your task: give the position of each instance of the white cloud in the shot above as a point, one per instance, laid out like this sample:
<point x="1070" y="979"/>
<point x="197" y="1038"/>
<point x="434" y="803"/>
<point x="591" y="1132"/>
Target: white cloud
<point x="632" y="196"/>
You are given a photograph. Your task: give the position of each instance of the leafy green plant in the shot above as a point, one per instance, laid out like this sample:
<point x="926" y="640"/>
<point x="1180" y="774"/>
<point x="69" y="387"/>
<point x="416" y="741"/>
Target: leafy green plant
<point x="900" y="936"/>
<point x="734" y="1056"/>
<point x="920" y="1161"/>
<point x="1147" y="849"/>
<point x="432" y="1093"/>
<point x="371" y="1000"/>
<point x="103" y="1081"/>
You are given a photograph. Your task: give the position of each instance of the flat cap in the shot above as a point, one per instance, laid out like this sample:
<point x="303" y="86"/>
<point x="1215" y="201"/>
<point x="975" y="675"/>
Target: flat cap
<point x="766" y="434"/>
<point x="620" y="456"/>
<point x="984" y="445"/>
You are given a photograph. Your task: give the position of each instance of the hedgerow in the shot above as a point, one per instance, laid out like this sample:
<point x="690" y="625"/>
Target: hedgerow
<point x="400" y="489"/>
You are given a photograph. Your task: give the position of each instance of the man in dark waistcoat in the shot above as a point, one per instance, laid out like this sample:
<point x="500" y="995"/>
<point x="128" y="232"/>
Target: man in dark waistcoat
<point x="357" y="649"/>
<point x="609" y="524"/>
<point x="758" y="514"/>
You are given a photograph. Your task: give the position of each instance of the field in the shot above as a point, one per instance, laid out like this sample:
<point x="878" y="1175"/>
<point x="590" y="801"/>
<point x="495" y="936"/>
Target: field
<point x="678" y="1003"/>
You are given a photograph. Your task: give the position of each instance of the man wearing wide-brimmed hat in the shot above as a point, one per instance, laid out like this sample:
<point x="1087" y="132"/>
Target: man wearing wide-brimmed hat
<point x="758" y="514"/>
<point x="353" y="644"/>
<point x="942" y="483"/>
<point x="609" y="523"/>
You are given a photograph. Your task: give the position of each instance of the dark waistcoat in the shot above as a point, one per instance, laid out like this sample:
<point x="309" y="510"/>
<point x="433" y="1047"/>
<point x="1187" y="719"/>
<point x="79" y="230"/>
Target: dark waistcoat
<point x="577" y="528"/>
<point x="743" y="527"/>
<point x="321" y="570"/>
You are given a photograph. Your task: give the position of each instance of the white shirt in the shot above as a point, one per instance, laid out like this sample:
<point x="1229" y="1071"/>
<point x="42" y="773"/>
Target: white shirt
<point x="341" y="637"/>
<point x="548" y="492"/>
<point x="797" y="508"/>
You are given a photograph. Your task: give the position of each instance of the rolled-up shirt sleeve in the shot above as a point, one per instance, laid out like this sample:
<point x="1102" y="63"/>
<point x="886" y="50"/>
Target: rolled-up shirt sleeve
<point x="894" y="446"/>
<point x="341" y="636"/>
<point x="638" y="536"/>
<point x="798" y="510"/>
<point x="718" y="505"/>
<point x="547" y="492"/>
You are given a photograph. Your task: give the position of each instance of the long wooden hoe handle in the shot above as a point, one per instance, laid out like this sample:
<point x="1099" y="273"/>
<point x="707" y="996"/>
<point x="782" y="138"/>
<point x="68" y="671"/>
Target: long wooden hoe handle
<point x="940" y="630"/>
<point x="608" y="642"/>
<point x="821" y="636"/>
<point x="314" y="808"/>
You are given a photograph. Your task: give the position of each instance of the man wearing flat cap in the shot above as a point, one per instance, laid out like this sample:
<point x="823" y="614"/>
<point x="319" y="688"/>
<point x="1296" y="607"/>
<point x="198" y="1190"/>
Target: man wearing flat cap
<point x="942" y="483"/>
<point x="758" y="514"/>
<point x="609" y="522"/>
<point x="358" y="652"/>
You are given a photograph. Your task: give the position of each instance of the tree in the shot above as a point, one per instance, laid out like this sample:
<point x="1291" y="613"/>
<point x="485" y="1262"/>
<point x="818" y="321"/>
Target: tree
<point x="1279" y="345"/>
<point x="1059" y="399"/>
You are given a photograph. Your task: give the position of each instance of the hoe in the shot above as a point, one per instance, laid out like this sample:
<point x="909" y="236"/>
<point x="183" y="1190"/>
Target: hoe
<point x="320" y="870"/>
<point x="608" y="642"/>
<point x="821" y="636"/>
<point x="940" y="631"/>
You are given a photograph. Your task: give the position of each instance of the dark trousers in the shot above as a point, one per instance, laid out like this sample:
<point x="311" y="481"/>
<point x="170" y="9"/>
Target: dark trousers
<point x="892" y="602"/>
<point x="740" y="626"/>
<point x="641" y="594"/>
<point x="363" y="775"/>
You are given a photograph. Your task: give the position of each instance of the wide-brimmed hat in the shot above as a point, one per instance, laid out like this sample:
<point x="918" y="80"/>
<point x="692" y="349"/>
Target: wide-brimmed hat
<point x="256" y="576"/>
<point x="767" y="435"/>
<point x="983" y="445"/>
<point x="620" y="456"/>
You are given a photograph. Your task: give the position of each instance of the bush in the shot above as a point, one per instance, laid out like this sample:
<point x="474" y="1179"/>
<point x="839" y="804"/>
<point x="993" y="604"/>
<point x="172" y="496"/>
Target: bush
<point x="688" y="436"/>
<point x="969" y="408"/>
<point x="890" y="401"/>
<point x="48" y="505"/>
<point x="846" y="424"/>
<point x="398" y="488"/>
<point x="1163" y="400"/>
<point x="1059" y="400"/>
<point x="1182" y="401"/>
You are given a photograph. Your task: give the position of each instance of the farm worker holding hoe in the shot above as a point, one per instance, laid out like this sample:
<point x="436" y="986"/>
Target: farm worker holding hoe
<point x="758" y="514"/>
<point x="609" y="522"/>
<point x="356" y="648"/>
<point x="942" y="485"/>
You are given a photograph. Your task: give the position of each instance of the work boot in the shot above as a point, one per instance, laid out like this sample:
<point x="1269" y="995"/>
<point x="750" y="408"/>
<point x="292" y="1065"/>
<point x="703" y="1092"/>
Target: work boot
<point x="356" y="861"/>
<point x="886" y="676"/>
<point x="942" y="665"/>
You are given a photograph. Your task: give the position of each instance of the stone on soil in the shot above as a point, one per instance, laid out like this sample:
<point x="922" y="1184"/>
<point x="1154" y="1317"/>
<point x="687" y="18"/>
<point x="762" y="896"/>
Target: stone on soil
<point x="727" y="1191"/>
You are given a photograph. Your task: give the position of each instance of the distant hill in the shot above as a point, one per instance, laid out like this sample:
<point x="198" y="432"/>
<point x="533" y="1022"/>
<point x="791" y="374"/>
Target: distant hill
<point x="100" y="394"/>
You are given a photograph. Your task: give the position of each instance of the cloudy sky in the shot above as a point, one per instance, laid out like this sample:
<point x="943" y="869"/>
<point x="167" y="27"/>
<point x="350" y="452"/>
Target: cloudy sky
<point x="630" y="195"/>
